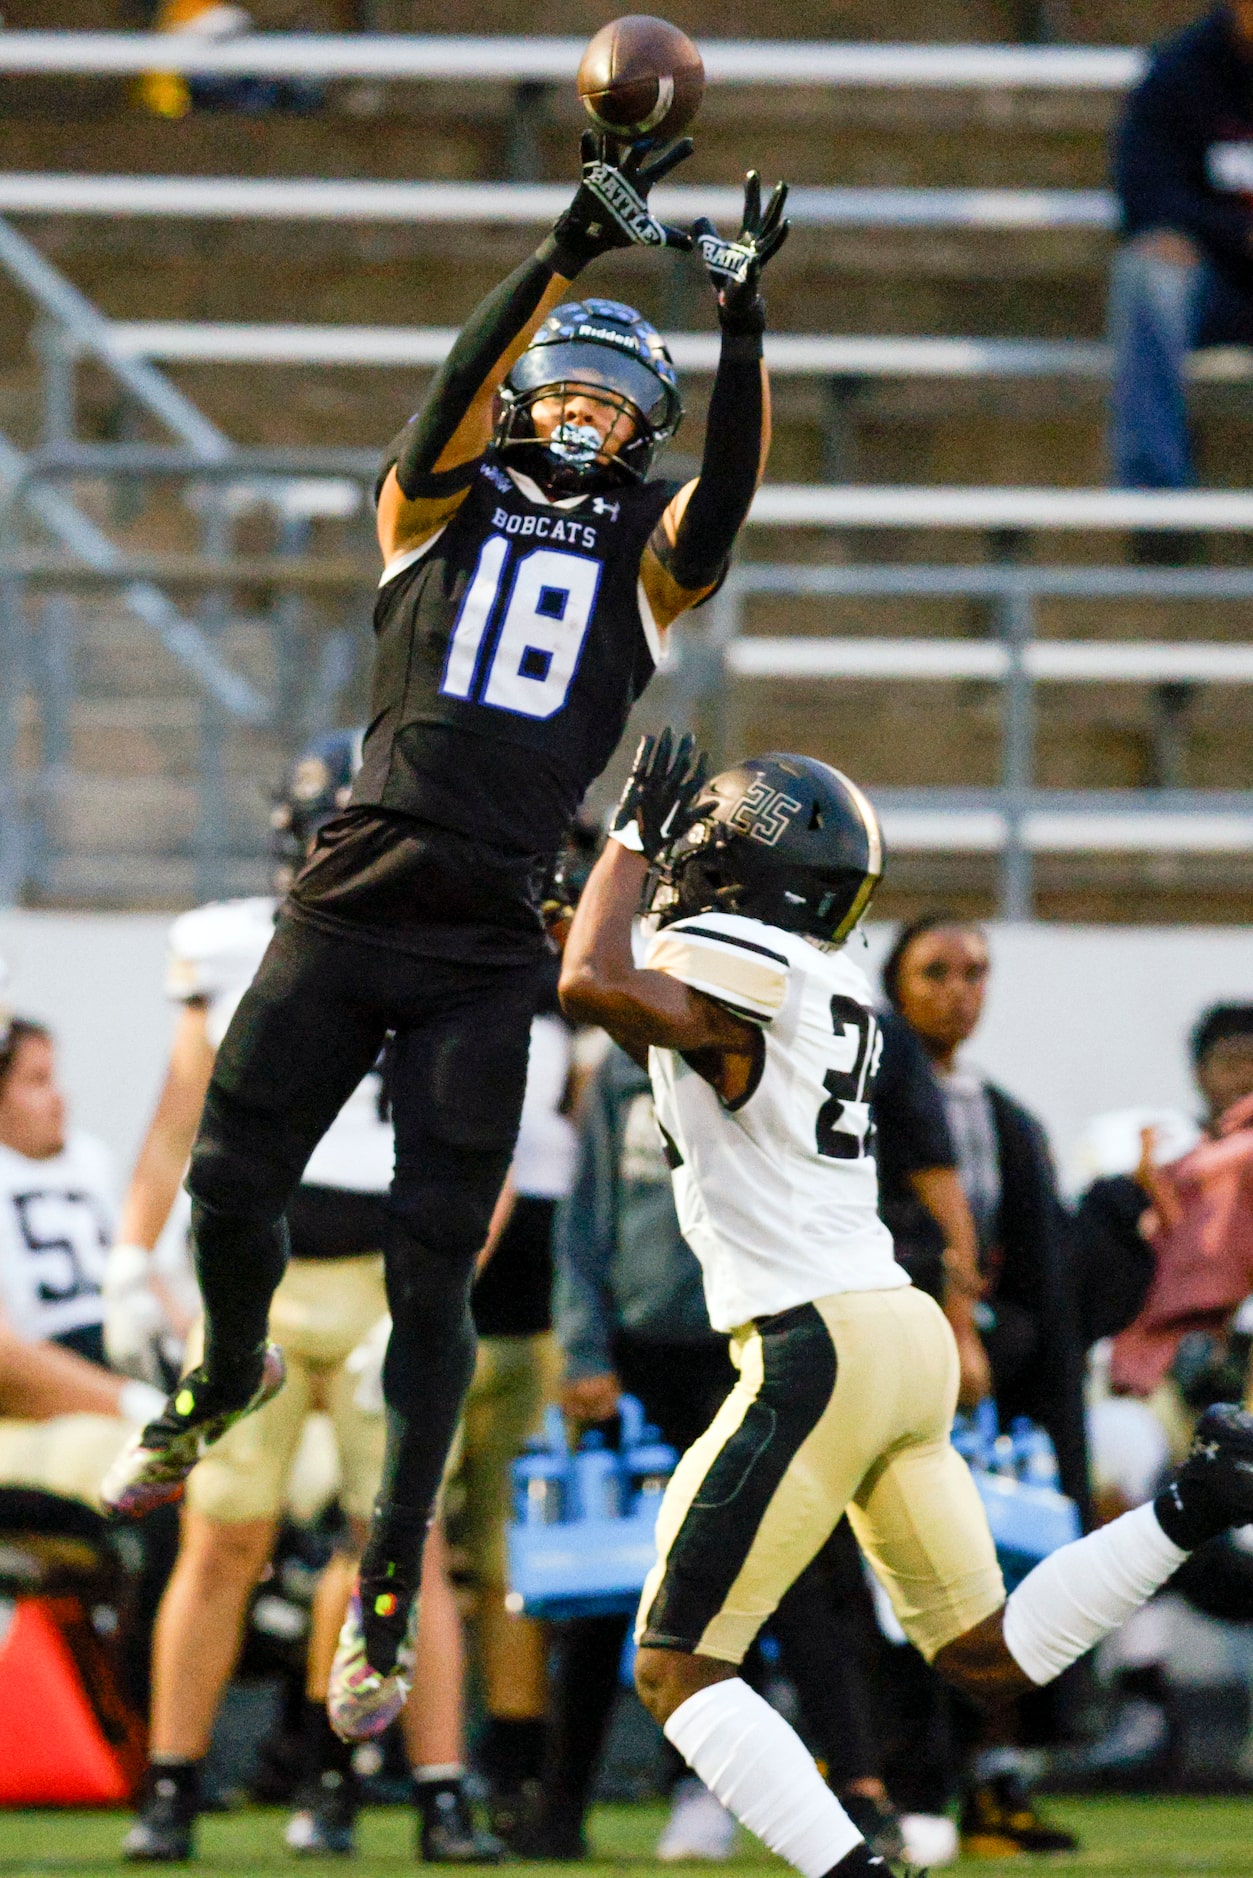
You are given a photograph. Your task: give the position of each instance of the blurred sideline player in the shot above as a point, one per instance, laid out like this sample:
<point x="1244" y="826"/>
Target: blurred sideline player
<point x="762" y="1044"/>
<point x="63" y="1416"/>
<point x="332" y="1296"/>
<point x="530" y="571"/>
<point x="515" y="1376"/>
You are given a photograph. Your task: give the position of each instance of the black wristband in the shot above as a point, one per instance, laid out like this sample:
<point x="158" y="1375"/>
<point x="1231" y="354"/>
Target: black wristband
<point x="741" y="317"/>
<point x="563" y="260"/>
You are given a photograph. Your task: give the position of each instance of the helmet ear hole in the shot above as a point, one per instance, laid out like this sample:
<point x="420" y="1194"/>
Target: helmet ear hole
<point x="815" y="820"/>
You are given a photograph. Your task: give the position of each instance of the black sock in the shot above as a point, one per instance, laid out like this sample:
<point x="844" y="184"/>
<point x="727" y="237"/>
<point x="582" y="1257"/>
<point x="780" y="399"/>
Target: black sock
<point x="324" y="1752"/>
<point x="861" y="1862"/>
<point x="391" y="1569"/>
<point x="511" y="1751"/>
<point x="428" y="1787"/>
<point x="1190" y="1521"/>
<point x="170" y="1778"/>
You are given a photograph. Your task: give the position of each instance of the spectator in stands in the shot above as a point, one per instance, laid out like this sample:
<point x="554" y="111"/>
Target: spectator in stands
<point x="630" y="1314"/>
<point x="1113" y="1261"/>
<point x="936" y="978"/>
<point x="1183" y="170"/>
<point x="174" y="94"/>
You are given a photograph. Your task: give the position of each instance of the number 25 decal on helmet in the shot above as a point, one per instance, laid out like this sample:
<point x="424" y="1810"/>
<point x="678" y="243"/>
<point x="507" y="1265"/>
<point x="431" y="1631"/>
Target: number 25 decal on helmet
<point x="783" y="839"/>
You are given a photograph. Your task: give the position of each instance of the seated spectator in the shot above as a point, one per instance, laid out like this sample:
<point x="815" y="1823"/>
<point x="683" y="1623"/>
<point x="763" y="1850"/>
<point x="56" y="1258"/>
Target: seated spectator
<point x="174" y="94"/>
<point x="1114" y="1262"/>
<point x="1183" y="170"/>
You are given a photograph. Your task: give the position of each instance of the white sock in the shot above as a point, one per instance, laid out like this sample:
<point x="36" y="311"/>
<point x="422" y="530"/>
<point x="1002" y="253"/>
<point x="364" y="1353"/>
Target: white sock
<point x="1084" y="1590"/>
<point x="762" y="1772"/>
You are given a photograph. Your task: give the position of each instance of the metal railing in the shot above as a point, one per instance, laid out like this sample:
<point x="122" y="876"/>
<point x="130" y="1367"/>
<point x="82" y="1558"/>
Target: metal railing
<point x="468" y="59"/>
<point x="798" y="355"/>
<point x="302" y="199"/>
<point x="1017" y="819"/>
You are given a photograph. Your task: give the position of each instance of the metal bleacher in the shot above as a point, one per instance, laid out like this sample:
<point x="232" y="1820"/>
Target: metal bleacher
<point x="726" y="659"/>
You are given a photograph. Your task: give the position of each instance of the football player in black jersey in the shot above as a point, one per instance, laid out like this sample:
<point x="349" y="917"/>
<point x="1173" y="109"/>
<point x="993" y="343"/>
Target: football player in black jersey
<point x="530" y="572"/>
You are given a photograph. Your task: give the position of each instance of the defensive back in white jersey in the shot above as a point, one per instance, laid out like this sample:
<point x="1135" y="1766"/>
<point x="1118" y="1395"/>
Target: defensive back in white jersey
<point x="777" y="1194"/>
<point x="213" y="954"/>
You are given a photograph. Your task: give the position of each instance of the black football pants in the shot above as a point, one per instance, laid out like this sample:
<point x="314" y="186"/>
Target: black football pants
<point x="307" y="1030"/>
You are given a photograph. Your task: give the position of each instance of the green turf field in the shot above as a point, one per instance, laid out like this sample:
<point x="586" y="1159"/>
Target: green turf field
<point x="1122" y="1839"/>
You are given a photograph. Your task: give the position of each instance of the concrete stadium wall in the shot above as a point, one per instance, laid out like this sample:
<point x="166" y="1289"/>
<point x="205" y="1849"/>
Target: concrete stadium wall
<point x="1081" y="1019"/>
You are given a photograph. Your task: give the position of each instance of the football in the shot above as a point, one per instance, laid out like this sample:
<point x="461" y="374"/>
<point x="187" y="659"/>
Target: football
<point x="641" y="79"/>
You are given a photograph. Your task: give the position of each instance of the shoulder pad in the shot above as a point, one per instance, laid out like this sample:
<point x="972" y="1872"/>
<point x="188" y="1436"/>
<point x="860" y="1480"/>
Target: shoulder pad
<point x="738" y="961"/>
<point x="213" y="946"/>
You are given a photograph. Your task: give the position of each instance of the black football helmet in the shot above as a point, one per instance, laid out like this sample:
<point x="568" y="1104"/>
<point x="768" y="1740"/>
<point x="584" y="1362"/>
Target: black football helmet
<point x="600" y="346"/>
<point x="315" y="788"/>
<point x="783" y="839"/>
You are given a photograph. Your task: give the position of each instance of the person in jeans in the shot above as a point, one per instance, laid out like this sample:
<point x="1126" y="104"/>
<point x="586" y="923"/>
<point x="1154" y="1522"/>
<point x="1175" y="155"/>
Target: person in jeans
<point x="1183" y="278"/>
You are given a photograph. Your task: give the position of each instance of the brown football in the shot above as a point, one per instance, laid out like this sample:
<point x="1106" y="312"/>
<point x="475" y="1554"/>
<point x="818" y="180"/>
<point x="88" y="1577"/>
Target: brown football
<point x="641" y="79"/>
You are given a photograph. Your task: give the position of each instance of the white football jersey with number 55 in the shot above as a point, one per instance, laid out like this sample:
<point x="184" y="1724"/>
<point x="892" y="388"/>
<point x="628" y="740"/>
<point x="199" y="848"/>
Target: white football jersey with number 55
<point x="777" y="1193"/>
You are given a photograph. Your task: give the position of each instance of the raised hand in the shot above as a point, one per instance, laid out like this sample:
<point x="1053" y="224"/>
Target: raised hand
<point x="734" y="267"/>
<point x="657" y="804"/>
<point x="610" y="207"/>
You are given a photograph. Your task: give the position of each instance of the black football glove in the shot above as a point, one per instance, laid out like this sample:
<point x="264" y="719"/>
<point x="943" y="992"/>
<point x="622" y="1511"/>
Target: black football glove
<point x="656" y="807"/>
<point x="610" y="208"/>
<point x="735" y="267"/>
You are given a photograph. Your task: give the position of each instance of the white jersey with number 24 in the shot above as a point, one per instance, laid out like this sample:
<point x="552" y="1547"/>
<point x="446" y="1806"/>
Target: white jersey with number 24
<point x="777" y="1194"/>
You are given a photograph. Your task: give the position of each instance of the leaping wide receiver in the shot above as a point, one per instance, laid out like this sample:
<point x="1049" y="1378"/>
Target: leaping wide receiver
<point x="530" y="574"/>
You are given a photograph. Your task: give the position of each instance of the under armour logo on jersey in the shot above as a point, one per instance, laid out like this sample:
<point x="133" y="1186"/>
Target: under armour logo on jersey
<point x="764" y="813"/>
<point x="600" y="506"/>
<point x="497" y="476"/>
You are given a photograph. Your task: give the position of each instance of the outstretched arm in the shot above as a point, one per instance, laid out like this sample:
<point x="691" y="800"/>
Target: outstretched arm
<point x="688" y="553"/>
<point x="430" y="465"/>
<point x="600" y="981"/>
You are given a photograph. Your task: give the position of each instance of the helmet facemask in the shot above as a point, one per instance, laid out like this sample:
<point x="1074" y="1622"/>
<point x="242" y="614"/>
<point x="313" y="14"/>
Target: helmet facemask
<point x="573" y="458"/>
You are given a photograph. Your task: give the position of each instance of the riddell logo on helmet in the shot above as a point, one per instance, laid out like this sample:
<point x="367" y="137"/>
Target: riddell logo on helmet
<point x="627" y="341"/>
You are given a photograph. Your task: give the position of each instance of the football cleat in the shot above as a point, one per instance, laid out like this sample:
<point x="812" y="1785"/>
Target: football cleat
<point x="1213" y="1488"/>
<point x="447" y="1834"/>
<point x="877" y="1823"/>
<point x="163" y="1833"/>
<point x="362" y="1701"/>
<point x="153" y="1467"/>
<point x="326" y="1826"/>
<point x="999" y="1820"/>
